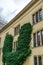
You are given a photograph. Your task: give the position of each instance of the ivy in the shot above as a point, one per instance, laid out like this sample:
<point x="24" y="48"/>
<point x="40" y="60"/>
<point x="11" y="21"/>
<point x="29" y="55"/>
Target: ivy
<point x="7" y="47"/>
<point x="23" y="49"/>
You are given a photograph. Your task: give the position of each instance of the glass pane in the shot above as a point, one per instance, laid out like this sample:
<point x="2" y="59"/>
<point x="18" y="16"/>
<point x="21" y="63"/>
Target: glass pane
<point x="35" y="60"/>
<point x="36" y="16"/>
<point x="38" y="38"/>
<point x="40" y="60"/>
<point x="40" y="14"/>
<point x="34" y="40"/>
<point x="34" y="19"/>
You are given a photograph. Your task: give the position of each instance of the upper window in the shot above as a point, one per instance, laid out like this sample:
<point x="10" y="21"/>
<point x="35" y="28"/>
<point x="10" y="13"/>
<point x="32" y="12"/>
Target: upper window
<point x="40" y="14"/>
<point x="37" y="16"/>
<point x="16" y="30"/>
<point x="34" y="40"/>
<point x="34" y="19"/>
<point x="7" y="33"/>
<point x="38" y="38"/>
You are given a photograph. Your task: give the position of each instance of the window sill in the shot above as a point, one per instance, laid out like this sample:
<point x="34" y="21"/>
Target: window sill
<point x="37" y="46"/>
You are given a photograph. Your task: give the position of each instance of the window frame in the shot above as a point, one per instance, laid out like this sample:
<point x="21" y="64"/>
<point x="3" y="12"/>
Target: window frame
<point x="16" y="32"/>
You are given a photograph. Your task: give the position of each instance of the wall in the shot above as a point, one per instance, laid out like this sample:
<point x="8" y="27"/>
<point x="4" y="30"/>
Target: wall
<point x="25" y="18"/>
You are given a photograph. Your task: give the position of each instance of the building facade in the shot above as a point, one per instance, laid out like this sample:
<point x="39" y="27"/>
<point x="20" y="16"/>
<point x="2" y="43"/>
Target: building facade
<point x="32" y="13"/>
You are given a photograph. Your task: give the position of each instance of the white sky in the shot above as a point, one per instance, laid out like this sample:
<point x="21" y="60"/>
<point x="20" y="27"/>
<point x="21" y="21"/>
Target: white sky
<point x="9" y="8"/>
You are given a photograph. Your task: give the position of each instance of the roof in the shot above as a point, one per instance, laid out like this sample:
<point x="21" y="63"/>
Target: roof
<point x="29" y="5"/>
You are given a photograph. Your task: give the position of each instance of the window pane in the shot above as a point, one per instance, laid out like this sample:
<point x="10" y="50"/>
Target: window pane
<point x="35" y="60"/>
<point x="40" y="60"/>
<point x="42" y="36"/>
<point x="34" y="19"/>
<point x="36" y="16"/>
<point x="34" y="40"/>
<point x="38" y="38"/>
<point x="40" y="14"/>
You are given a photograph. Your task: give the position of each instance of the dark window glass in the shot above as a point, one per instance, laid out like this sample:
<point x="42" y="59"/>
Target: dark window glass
<point x="35" y="60"/>
<point x="38" y="38"/>
<point x="34" y="40"/>
<point x="40" y="14"/>
<point x="42" y="36"/>
<point x="17" y="30"/>
<point x="34" y="19"/>
<point x="36" y="16"/>
<point x="40" y="60"/>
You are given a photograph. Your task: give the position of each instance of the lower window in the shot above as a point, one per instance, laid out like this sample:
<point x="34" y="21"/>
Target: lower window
<point x="38" y="60"/>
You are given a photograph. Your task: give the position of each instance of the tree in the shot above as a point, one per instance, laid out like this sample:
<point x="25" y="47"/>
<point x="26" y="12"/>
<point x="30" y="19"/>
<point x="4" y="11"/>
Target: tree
<point x="7" y="47"/>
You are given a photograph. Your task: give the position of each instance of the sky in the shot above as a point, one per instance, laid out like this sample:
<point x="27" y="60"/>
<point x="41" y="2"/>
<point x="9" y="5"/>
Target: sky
<point x="10" y="8"/>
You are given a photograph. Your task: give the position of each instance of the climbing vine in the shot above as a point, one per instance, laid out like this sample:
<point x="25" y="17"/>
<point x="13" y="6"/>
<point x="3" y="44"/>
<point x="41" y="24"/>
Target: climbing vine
<point x="23" y="49"/>
<point x="7" y="47"/>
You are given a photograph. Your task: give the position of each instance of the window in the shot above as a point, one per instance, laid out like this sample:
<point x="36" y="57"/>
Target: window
<point x="40" y="14"/>
<point x="15" y="45"/>
<point x="34" y="19"/>
<point x="36" y="16"/>
<point x="40" y="60"/>
<point x="42" y="36"/>
<point x="35" y="60"/>
<point x="38" y="38"/>
<point x="7" y="33"/>
<point x="16" y="31"/>
<point x="35" y="40"/>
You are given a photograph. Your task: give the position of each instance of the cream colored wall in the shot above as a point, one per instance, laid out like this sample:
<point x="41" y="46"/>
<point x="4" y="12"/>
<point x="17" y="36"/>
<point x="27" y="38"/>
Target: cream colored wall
<point x="25" y="18"/>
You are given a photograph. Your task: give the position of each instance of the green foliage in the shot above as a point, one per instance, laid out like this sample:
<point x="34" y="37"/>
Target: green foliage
<point x="23" y="49"/>
<point x="7" y="46"/>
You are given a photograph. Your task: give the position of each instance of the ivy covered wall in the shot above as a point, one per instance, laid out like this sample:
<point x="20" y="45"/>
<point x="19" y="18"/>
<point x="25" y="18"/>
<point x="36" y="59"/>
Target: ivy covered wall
<point x="23" y="49"/>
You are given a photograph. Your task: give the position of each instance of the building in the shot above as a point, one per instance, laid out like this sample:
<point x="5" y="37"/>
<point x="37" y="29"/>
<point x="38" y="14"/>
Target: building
<point x="2" y="24"/>
<point x="32" y="13"/>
